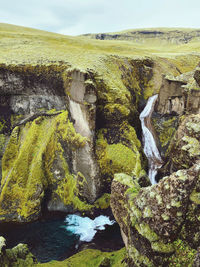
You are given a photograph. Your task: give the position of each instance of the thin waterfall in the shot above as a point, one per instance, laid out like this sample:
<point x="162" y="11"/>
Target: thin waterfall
<point x="150" y="149"/>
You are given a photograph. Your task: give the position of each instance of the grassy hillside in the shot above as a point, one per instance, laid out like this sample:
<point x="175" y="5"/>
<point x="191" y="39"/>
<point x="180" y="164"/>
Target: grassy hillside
<point x="22" y="46"/>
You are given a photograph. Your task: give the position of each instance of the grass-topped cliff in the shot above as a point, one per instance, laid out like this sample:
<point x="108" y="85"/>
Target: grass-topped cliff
<point x="152" y="35"/>
<point x="22" y="46"/>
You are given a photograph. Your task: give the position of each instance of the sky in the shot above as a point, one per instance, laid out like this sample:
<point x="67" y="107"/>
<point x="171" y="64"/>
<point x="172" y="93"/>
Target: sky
<point x="74" y="17"/>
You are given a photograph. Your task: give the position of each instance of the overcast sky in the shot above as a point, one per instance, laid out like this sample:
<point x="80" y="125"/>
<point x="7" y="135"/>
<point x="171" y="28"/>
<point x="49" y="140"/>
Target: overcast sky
<point x="75" y="17"/>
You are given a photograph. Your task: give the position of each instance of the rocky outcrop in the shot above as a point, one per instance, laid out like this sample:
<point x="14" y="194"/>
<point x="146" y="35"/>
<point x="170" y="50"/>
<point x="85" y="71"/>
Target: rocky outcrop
<point x="178" y="96"/>
<point x="27" y="90"/>
<point x="159" y="224"/>
<point x="184" y="148"/>
<point x="153" y="219"/>
<point x="17" y="256"/>
<point x="171" y="98"/>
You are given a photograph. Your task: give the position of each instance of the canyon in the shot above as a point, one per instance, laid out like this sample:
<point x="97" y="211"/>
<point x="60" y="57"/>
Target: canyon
<point x="71" y="142"/>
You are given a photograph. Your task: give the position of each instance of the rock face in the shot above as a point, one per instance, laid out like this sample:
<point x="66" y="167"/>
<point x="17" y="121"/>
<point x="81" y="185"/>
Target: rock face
<point x="25" y="92"/>
<point x="184" y="149"/>
<point x="65" y="134"/>
<point x="171" y="98"/>
<point x="176" y="97"/>
<point x="153" y="218"/>
<point x="51" y="149"/>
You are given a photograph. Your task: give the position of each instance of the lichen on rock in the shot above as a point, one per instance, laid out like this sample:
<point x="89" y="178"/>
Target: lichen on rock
<point x="155" y="217"/>
<point x="184" y="147"/>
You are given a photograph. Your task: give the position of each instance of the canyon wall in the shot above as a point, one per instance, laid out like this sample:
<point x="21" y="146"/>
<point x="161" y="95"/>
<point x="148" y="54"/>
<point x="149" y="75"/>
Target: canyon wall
<point x="68" y="135"/>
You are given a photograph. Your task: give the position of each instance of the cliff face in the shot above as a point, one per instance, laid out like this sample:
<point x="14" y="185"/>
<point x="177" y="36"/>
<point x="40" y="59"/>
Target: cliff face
<point x="51" y="146"/>
<point x="64" y="133"/>
<point x="165" y="35"/>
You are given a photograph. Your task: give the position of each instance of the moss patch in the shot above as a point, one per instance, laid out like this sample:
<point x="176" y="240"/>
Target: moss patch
<point x="192" y="146"/>
<point x="119" y="154"/>
<point x="165" y="129"/>
<point x="183" y="256"/>
<point x="103" y="202"/>
<point x="146" y="231"/>
<point x="91" y="258"/>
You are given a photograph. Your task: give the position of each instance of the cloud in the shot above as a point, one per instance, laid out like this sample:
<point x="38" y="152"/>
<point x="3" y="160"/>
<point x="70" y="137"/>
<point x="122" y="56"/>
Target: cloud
<point x="83" y="16"/>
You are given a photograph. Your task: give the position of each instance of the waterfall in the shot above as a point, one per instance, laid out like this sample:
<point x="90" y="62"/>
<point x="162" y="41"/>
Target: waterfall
<point x="150" y="149"/>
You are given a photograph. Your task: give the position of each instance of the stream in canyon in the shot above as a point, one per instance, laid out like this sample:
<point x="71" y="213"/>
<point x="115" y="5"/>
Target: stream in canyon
<point x="150" y="149"/>
<point x="60" y="237"/>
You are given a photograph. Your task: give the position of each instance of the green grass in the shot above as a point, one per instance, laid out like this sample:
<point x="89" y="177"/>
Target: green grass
<point x="20" y="45"/>
<point x="90" y="258"/>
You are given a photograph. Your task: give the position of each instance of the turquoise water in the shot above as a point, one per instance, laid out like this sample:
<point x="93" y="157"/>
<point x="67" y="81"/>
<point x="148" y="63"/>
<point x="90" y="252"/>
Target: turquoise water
<point x="59" y="238"/>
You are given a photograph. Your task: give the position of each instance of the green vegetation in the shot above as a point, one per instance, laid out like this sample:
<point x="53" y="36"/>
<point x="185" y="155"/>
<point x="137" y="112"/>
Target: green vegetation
<point x="91" y="258"/>
<point x="183" y="256"/>
<point x="139" y="259"/>
<point x="27" y="165"/>
<point x="192" y="146"/>
<point x="119" y="157"/>
<point x="103" y="202"/>
<point x="165" y="129"/>
<point x="145" y="230"/>
<point x="19" y="256"/>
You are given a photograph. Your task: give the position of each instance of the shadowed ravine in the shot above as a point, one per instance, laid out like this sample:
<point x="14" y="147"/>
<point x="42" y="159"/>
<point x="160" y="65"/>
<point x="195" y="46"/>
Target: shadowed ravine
<point x="150" y="149"/>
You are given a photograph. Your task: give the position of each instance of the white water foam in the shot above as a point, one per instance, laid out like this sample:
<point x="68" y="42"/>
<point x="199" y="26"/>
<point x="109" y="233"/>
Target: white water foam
<point x="150" y="148"/>
<point x="85" y="227"/>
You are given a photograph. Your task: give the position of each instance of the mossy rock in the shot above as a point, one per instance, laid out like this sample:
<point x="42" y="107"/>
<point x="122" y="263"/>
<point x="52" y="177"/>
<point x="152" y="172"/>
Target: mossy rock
<point x="19" y="256"/>
<point x="27" y="167"/>
<point x="184" y="147"/>
<point x="165" y="128"/>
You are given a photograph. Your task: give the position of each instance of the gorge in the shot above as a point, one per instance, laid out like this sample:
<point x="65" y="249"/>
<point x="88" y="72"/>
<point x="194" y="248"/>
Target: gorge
<point x="71" y="125"/>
